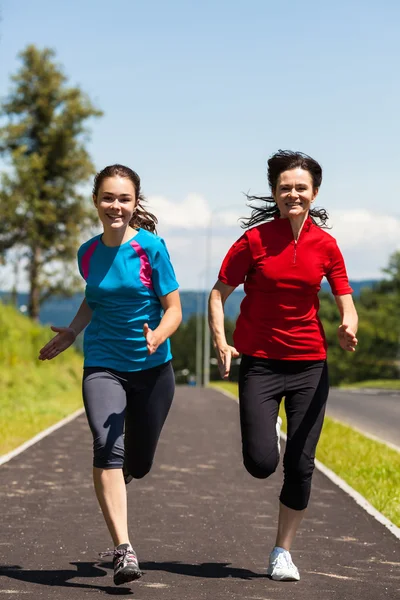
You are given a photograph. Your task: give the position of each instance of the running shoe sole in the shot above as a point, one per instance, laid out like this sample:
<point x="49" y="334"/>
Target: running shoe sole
<point x="127" y="576"/>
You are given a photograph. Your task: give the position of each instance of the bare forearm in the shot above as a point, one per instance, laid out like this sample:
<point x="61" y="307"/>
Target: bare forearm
<point x="216" y="318"/>
<point x="82" y="318"/>
<point x="169" y="323"/>
<point x="348" y="312"/>
<point x="350" y="318"/>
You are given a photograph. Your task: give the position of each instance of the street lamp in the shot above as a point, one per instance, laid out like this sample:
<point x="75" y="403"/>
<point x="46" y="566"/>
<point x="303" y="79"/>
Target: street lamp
<point x="199" y="336"/>
<point x="208" y="260"/>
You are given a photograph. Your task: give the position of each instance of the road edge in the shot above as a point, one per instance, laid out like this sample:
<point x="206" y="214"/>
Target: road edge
<point x="6" y="457"/>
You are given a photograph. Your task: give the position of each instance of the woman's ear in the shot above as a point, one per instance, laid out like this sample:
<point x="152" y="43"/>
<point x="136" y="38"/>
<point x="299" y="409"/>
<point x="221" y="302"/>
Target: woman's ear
<point x="315" y="194"/>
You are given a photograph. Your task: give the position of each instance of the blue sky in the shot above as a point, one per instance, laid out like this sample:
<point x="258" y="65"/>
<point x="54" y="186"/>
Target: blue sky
<point x="197" y="96"/>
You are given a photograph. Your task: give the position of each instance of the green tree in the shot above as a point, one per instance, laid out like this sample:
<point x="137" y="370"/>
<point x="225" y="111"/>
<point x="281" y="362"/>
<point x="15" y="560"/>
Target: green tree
<point x="43" y="210"/>
<point x="377" y="355"/>
<point x="392" y="284"/>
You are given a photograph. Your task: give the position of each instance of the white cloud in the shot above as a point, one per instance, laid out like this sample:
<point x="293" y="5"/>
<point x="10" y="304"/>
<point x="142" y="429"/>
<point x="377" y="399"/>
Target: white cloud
<point x="192" y="212"/>
<point x="366" y="239"/>
<point x="364" y="228"/>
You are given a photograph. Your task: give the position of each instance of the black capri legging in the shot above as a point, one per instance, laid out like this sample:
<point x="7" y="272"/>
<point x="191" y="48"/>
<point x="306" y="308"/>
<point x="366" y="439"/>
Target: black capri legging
<point x="262" y="385"/>
<point x="137" y="402"/>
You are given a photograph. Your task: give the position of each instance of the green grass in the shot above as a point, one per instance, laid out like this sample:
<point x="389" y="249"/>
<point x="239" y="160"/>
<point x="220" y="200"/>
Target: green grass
<point x="34" y="394"/>
<point x="388" y="384"/>
<point x="369" y="467"/>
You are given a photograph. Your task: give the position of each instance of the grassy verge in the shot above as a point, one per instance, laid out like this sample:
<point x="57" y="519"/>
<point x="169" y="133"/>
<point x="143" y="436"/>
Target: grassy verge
<point x="383" y="384"/>
<point x="371" y="468"/>
<point x="34" y="394"/>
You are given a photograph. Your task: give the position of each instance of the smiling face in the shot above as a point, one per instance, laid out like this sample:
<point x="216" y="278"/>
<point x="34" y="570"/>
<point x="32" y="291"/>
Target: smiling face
<point x="294" y="193"/>
<point x="115" y="202"/>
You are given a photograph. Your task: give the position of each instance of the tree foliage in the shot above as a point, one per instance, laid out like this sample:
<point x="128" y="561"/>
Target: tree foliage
<point x="43" y="210"/>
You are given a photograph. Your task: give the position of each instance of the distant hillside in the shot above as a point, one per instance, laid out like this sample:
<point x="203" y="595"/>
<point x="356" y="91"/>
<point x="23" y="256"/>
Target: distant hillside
<point x="60" y="311"/>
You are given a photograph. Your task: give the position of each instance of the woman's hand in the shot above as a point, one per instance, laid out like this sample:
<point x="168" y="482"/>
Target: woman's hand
<point x="347" y="338"/>
<point x="64" y="339"/>
<point x="224" y="358"/>
<point x="152" y="339"/>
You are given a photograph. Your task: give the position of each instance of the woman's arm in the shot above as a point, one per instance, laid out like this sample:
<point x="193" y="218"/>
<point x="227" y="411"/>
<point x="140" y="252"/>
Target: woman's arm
<point x="348" y="328"/>
<point x="66" y="335"/>
<point x="216" y="302"/>
<point x="169" y="323"/>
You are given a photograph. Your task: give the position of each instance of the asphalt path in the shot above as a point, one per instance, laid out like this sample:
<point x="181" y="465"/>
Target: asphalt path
<point x="202" y="527"/>
<point x="376" y="412"/>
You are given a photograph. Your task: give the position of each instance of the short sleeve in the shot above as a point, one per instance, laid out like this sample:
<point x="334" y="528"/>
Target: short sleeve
<point x="163" y="274"/>
<point x="79" y="260"/>
<point x="336" y="273"/>
<point x="237" y="262"/>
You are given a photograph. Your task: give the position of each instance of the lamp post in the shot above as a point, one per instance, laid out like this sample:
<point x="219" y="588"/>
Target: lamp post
<point x="206" y="347"/>
<point x="199" y="338"/>
<point x="208" y="260"/>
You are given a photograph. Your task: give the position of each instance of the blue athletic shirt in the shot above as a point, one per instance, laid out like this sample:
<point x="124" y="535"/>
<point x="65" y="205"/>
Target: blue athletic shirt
<point x="123" y="286"/>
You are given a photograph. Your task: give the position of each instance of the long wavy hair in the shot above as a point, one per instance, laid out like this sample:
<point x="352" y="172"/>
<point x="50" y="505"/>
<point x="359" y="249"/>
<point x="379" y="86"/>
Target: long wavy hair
<point x="281" y="161"/>
<point x="141" y="218"/>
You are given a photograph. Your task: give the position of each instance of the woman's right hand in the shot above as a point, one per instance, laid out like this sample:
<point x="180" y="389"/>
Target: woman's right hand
<point x="224" y="357"/>
<point x="64" y="339"/>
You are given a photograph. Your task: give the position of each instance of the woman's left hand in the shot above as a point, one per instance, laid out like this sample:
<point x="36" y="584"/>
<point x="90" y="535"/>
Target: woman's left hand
<point x="347" y="338"/>
<point x="152" y="339"/>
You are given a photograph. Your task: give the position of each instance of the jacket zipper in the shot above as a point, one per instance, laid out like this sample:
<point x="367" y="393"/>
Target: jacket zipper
<point x="295" y="252"/>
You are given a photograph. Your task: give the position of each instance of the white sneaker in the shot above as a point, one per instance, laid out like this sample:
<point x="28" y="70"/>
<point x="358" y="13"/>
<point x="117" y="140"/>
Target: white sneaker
<point x="278" y="433"/>
<point x="281" y="567"/>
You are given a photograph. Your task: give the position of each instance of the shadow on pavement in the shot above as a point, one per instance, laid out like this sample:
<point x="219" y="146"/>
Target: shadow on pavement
<point x="207" y="570"/>
<point x="60" y="577"/>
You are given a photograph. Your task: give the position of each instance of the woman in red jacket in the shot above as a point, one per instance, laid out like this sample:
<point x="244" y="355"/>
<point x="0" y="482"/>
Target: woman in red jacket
<point x="281" y="259"/>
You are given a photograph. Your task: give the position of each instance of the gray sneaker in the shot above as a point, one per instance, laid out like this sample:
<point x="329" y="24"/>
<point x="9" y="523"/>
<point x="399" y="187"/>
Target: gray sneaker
<point x="126" y="564"/>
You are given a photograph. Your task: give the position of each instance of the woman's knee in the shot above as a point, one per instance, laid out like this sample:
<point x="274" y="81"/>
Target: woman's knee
<point x="137" y="471"/>
<point x="106" y="455"/>
<point x="261" y="469"/>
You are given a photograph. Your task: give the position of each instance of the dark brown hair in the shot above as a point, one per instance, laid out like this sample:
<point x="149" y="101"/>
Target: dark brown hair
<point x="281" y="161"/>
<point x="141" y="217"/>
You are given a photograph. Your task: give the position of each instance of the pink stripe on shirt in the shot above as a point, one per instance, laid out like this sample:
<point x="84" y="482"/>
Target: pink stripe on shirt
<point x="145" y="267"/>
<point x="85" y="262"/>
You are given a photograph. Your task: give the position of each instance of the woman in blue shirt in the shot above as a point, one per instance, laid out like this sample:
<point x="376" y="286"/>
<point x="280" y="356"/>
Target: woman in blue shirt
<point x="130" y="310"/>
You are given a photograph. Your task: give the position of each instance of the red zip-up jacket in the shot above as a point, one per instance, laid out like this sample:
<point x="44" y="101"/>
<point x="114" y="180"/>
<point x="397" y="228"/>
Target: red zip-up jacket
<point x="282" y="277"/>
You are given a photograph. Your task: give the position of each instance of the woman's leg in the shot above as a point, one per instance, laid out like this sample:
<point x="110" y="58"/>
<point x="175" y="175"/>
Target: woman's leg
<point x="105" y="403"/>
<point x="110" y="491"/>
<point x="149" y="399"/>
<point x="307" y="389"/>
<point x="260" y="393"/>
<point x="288" y="524"/>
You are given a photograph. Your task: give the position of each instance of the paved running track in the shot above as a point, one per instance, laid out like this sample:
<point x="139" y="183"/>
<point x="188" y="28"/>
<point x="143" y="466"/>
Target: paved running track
<point x="201" y="525"/>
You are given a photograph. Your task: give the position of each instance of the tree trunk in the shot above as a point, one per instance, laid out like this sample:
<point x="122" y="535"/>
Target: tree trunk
<point x="34" y="292"/>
